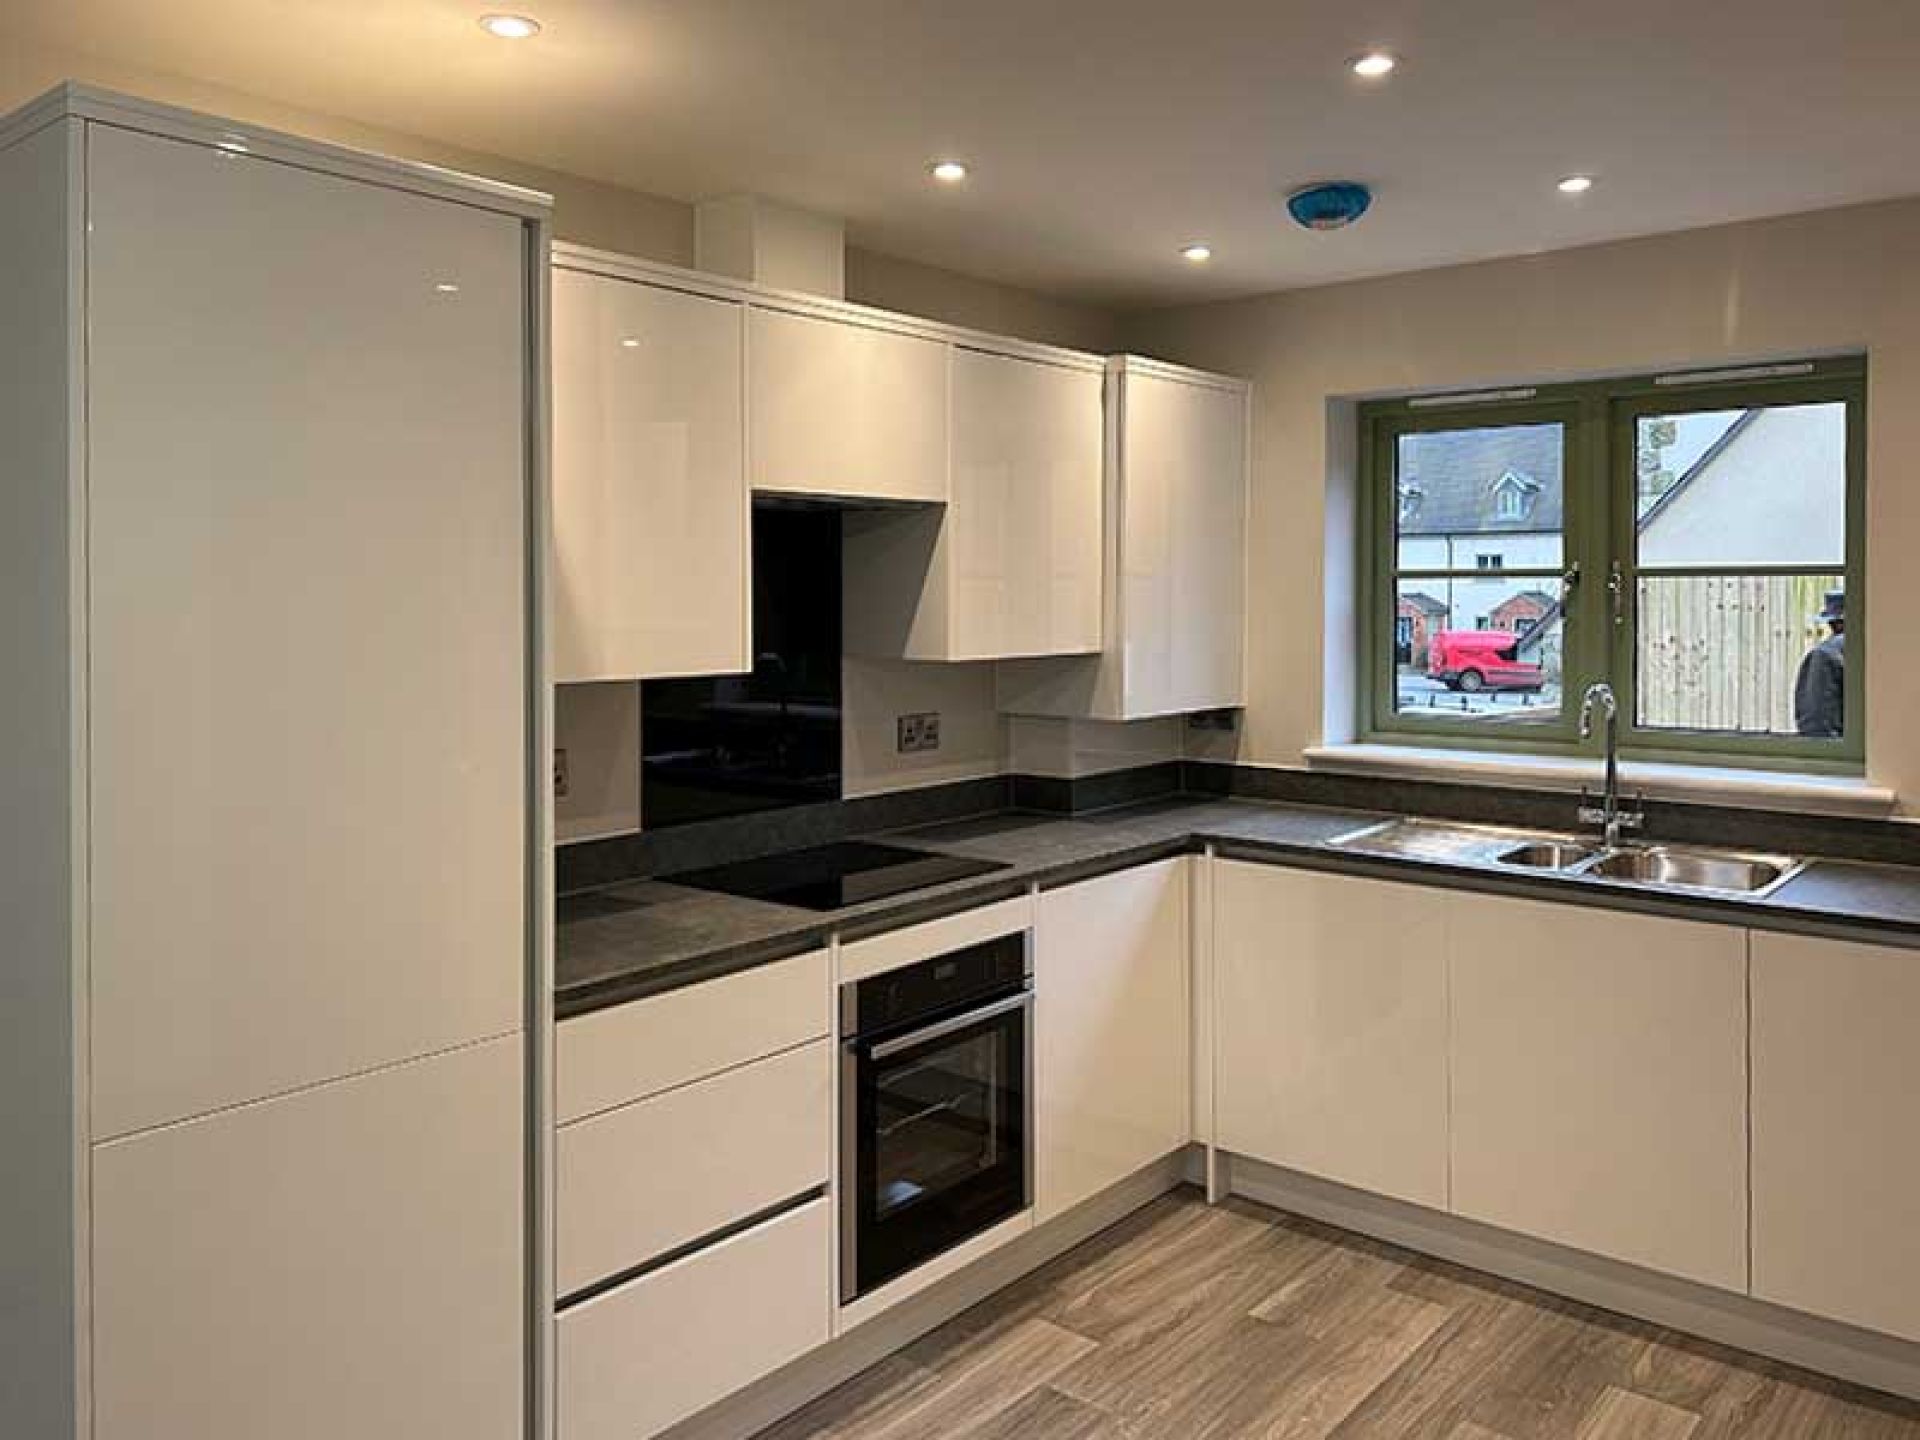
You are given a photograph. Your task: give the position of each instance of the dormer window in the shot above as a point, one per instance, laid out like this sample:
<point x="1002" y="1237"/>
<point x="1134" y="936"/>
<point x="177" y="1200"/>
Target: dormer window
<point x="1410" y="497"/>
<point x="1513" y="495"/>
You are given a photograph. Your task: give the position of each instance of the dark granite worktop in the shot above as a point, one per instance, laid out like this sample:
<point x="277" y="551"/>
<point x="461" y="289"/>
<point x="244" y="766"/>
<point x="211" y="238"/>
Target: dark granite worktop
<point x="630" y="940"/>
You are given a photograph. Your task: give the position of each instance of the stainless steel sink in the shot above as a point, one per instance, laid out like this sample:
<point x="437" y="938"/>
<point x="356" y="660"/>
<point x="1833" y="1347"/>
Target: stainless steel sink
<point x="1434" y="840"/>
<point x="1549" y="855"/>
<point x="1697" y="869"/>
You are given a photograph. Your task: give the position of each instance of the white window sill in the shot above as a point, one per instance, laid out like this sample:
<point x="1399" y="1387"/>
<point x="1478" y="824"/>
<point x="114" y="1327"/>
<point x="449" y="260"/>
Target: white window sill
<point x="1705" y="784"/>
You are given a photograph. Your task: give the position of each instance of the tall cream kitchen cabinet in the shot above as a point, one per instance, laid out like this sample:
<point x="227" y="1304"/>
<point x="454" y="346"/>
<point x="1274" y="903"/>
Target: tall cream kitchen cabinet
<point x="1600" y="1082"/>
<point x="1330" y="1024"/>
<point x="651" y="517"/>
<point x="1011" y="566"/>
<point x="1836" y="1174"/>
<point x="1175" y="600"/>
<point x="1112" y="1064"/>
<point x="845" y="403"/>
<point x="272" y="819"/>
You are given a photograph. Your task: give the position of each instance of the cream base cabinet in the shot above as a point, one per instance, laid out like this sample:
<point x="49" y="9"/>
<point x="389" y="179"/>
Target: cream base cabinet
<point x="1176" y="504"/>
<point x="1330" y="1020"/>
<point x="651" y="515"/>
<point x="1012" y="566"/>
<point x="845" y="408"/>
<point x="342" y="1261"/>
<point x="1836" y="1170"/>
<point x="1600" y="1082"/>
<point x="1112" y="1072"/>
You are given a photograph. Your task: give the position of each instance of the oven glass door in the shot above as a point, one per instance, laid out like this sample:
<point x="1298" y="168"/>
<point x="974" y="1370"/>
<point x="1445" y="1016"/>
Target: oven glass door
<point x="938" y="1140"/>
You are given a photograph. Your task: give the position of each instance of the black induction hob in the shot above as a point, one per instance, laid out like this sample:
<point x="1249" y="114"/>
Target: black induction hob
<point x="831" y="877"/>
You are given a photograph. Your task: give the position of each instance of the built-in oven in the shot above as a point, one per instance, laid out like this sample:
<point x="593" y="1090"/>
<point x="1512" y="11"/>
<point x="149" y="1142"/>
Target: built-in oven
<point x="936" y="1107"/>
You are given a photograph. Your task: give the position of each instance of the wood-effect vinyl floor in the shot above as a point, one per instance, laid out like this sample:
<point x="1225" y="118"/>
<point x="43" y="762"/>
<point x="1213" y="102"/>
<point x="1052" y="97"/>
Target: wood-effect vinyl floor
<point x="1185" y="1322"/>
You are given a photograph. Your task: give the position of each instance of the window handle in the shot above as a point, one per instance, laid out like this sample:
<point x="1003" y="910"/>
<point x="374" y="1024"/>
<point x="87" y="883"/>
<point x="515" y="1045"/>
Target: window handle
<point x="1617" y="588"/>
<point x="1569" y="582"/>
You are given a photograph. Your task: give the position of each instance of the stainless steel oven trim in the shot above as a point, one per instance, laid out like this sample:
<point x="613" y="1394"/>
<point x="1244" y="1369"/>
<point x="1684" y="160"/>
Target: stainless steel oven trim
<point x="952" y="1025"/>
<point x="850" y="1055"/>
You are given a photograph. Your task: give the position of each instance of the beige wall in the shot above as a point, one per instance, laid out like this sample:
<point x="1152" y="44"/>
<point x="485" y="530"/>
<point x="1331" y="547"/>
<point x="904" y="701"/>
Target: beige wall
<point x="654" y="227"/>
<point x="1834" y="281"/>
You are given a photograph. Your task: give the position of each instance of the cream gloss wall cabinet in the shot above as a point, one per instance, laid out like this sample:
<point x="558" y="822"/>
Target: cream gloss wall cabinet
<point x="272" y="819"/>
<point x="1011" y="566"/>
<point x="845" y="403"/>
<point x="651" y="515"/>
<point x="1175" y="523"/>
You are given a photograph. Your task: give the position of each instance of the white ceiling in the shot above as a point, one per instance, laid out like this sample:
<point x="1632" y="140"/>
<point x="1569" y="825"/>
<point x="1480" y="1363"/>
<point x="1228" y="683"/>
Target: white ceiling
<point x="1106" y="133"/>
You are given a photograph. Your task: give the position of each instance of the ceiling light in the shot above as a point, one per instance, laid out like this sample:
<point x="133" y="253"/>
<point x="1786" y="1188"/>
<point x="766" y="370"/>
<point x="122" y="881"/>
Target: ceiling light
<point x="948" y="172"/>
<point x="630" y="343"/>
<point x="446" y="287"/>
<point x="1374" y="65"/>
<point x="1196" y="254"/>
<point x="510" y="27"/>
<point x="1576" y="185"/>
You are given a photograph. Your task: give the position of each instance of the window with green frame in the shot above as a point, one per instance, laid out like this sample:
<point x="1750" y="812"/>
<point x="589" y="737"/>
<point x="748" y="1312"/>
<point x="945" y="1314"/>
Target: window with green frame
<point x="1695" y="540"/>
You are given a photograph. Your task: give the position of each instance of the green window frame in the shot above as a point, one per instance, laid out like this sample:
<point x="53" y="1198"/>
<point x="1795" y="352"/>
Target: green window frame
<point x="1599" y="582"/>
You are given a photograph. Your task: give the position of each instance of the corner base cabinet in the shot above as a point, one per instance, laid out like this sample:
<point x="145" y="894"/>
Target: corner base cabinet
<point x="1112" y="1073"/>
<point x="1836" y="1166"/>
<point x="1331" y="1027"/>
<point x="271" y="792"/>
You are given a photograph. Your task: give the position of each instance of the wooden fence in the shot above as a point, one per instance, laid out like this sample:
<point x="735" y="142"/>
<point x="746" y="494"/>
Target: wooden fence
<point x="1721" y="653"/>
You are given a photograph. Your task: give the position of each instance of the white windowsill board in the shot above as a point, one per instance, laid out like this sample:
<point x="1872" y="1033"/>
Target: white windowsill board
<point x="1705" y="784"/>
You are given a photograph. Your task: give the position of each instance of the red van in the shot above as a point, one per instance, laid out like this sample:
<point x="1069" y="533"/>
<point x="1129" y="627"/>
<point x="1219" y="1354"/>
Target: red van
<point x="1476" y="660"/>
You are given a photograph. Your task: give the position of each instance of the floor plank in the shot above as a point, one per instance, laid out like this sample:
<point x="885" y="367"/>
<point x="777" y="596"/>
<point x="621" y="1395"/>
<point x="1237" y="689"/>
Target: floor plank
<point x="1623" y="1415"/>
<point x="1190" y="1322"/>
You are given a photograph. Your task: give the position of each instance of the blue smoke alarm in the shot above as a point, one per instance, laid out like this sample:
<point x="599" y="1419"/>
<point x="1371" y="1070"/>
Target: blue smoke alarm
<point x="1330" y="206"/>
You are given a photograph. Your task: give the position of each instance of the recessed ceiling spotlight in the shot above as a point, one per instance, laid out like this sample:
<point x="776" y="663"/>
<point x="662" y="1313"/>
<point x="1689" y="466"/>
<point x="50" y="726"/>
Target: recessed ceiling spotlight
<point x="1196" y="254"/>
<point x="1576" y="185"/>
<point x="630" y="342"/>
<point x="948" y="172"/>
<point x="510" y="27"/>
<point x="1374" y="65"/>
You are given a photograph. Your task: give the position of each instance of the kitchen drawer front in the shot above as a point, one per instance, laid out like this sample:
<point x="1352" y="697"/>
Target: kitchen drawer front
<point x="631" y="1051"/>
<point x="640" y="1358"/>
<point x="637" y="1182"/>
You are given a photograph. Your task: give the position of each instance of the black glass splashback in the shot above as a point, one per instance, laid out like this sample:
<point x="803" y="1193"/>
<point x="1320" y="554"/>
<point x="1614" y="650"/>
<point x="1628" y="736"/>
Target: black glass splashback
<point x="735" y="744"/>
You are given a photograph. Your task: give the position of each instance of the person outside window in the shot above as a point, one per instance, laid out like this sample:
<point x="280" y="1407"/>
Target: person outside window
<point x="1820" y="689"/>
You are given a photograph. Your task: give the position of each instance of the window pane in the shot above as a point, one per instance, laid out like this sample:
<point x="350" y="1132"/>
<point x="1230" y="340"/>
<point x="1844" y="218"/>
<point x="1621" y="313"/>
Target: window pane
<point x="1490" y="498"/>
<point x="1477" y="646"/>
<point x="1731" y="653"/>
<point x="1743" y="487"/>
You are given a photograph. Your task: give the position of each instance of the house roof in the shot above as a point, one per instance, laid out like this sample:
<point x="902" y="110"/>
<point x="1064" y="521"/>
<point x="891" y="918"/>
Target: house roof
<point x="1420" y="600"/>
<point x="1538" y="597"/>
<point x="1455" y="478"/>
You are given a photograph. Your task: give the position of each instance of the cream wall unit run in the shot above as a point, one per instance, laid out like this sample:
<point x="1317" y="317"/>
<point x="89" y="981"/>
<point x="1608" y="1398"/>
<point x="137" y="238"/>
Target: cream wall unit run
<point x="1836" y="1175"/>
<point x="1331" y="1027"/>
<point x="271" y="565"/>
<point x="650" y="505"/>
<point x="1112" y="1072"/>
<point x="845" y="404"/>
<point x="1176" y="503"/>
<point x="1600" y="1082"/>
<point x="1012" y="565"/>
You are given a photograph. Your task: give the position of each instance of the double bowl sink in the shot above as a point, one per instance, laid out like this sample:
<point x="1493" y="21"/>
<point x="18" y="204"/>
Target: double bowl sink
<point x="1657" y="867"/>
